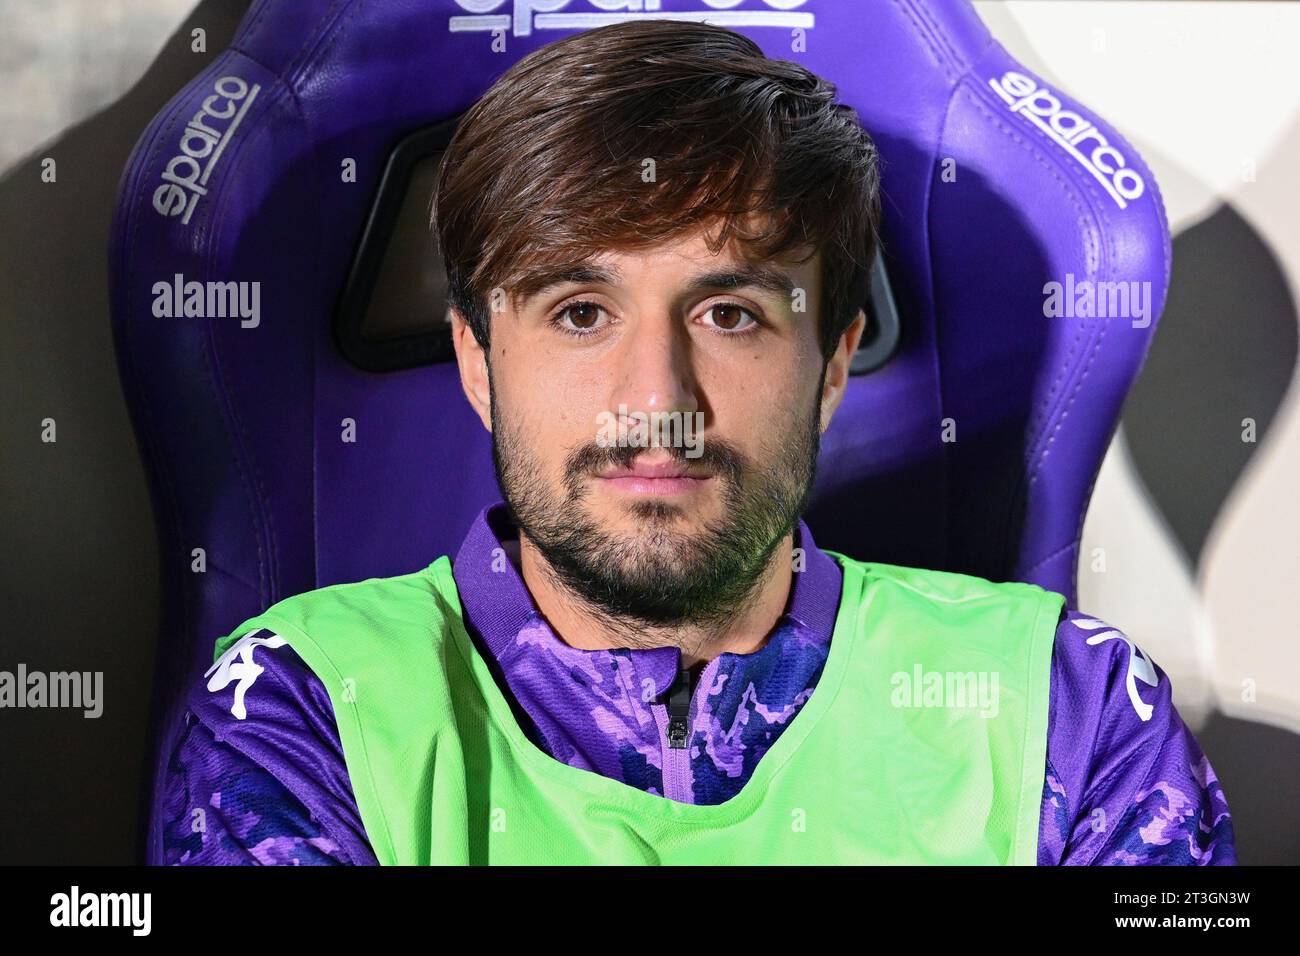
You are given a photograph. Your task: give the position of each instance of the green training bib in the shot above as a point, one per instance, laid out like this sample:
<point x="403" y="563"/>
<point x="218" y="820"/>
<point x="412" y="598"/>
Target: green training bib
<point x="924" y="741"/>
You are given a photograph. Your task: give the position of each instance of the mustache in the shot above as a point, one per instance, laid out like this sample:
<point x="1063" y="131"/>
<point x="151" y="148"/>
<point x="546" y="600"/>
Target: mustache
<point x="716" y="455"/>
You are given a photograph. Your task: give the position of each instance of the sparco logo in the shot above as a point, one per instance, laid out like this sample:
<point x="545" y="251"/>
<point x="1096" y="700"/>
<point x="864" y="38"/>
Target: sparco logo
<point x="522" y="16"/>
<point x="1075" y="134"/>
<point x="204" y="139"/>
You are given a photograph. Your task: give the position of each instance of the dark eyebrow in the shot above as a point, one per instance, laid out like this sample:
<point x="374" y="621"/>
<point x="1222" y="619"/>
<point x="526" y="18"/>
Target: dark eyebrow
<point x="543" y="281"/>
<point x="762" y="277"/>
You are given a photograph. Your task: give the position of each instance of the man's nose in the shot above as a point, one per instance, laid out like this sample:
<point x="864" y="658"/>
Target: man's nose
<point x="656" y="372"/>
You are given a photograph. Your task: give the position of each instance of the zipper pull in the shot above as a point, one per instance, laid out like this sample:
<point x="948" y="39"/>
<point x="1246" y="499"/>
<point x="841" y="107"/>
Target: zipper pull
<point x="679" y="707"/>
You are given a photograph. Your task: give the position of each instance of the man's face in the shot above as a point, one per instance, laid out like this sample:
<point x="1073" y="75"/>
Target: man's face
<point x="656" y="423"/>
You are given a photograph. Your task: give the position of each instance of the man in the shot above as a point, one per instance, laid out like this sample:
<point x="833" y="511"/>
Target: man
<point x="641" y="656"/>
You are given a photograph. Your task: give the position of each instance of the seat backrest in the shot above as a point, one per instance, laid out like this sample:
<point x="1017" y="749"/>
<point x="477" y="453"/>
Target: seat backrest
<point x="973" y="448"/>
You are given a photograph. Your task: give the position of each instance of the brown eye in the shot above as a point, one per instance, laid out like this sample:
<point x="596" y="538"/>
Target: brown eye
<point x="730" y="317"/>
<point x="579" y="318"/>
<point x="584" y="314"/>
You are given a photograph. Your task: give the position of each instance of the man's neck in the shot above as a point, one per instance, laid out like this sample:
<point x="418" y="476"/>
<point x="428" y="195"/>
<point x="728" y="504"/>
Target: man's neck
<point x="576" y="623"/>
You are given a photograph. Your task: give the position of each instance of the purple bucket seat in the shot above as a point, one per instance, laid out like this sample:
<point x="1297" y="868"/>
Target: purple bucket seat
<point x="996" y="184"/>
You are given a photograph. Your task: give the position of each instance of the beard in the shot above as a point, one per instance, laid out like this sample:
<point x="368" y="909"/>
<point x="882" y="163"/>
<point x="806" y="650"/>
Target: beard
<point x="661" y="578"/>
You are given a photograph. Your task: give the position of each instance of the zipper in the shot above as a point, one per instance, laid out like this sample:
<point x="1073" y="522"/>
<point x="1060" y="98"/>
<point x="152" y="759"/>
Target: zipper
<point x="679" y="709"/>
<point x="674" y="736"/>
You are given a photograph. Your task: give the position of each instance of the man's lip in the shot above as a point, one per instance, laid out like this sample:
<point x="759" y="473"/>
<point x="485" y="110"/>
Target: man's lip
<point x="667" y="485"/>
<point x="669" y="469"/>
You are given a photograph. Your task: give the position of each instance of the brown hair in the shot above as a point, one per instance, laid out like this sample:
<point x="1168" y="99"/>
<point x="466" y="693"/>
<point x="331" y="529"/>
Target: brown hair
<point x="545" y="170"/>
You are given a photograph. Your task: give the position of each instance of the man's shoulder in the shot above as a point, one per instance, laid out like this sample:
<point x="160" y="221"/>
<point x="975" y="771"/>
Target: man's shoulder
<point x="261" y="747"/>
<point x="1105" y="682"/>
<point x="353" y="598"/>
<point x="373" y="606"/>
<point x="258" y="677"/>
<point x="942" y="586"/>
<point x="1125" y="771"/>
<point x="1111" y="705"/>
<point x="277" y="665"/>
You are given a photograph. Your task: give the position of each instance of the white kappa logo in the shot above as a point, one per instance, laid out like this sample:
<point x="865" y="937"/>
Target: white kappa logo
<point x="238" y="664"/>
<point x="1139" y="668"/>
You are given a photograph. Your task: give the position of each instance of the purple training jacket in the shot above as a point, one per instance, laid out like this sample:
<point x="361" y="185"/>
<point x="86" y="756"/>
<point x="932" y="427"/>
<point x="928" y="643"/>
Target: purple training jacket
<point x="263" y="780"/>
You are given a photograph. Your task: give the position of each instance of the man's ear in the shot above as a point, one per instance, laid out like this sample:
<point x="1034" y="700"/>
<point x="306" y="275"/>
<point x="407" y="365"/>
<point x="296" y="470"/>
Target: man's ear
<point x="837" y="369"/>
<point x="472" y="362"/>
